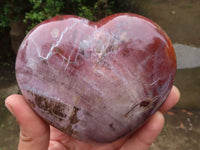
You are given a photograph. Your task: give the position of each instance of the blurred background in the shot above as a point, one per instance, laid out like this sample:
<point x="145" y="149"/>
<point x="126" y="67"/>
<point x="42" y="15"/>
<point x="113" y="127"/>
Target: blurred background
<point x="179" y="18"/>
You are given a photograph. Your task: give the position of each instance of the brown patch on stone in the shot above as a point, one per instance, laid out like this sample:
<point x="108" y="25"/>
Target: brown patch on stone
<point x="73" y="119"/>
<point x="58" y="50"/>
<point x="133" y="107"/>
<point x="58" y="110"/>
<point x="69" y="130"/>
<point x="61" y="18"/>
<point x="31" y="103"/>
<point x="111" y="126"/>
<point x="126" y="52"/>
<point x="50" y="106"/>
<point x="144" y="103"/>
<point x="103" y="63"/>
<point x="87" y="113"/>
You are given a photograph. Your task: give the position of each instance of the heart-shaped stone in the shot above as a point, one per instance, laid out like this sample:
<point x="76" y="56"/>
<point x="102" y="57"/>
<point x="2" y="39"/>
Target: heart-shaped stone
<point x="96" y="81"/>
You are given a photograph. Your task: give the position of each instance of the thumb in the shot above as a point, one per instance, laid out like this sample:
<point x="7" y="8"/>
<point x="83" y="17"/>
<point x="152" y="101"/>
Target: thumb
<point x="145" y="136"/>
<point x="34" y="132"/>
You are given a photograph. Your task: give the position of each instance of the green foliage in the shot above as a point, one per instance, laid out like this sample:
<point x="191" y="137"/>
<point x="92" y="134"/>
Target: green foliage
<point x="90" y="9"/>
<point x="34" y="11"/>
<point x="42" y="10"/>
<point x="4" y="11"/>
<point x="11" y="10"/>
<point x="84" y="11"/>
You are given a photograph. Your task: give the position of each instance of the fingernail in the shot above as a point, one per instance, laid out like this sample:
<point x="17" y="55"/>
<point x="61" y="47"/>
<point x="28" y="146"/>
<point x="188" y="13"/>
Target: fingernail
<point x="177" y="91"/>
<point x="159" y="114"/>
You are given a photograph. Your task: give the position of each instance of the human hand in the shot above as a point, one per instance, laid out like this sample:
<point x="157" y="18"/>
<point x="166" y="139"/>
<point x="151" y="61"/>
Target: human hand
<point x="35" y="134"/>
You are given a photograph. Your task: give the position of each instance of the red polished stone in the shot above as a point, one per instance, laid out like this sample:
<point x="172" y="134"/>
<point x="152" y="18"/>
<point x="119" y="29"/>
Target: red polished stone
<point x="96" y="81"/>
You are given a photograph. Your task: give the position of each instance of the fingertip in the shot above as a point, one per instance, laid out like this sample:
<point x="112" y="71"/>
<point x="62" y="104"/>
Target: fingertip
<point x="18" y="106"/>
<point x="152" y="128"/>
<point x="145" y="136"/>
<point x="176" y="92"/>
<point x="24" y="114"/>
<point x="10" y="102"/>
<point x="171" y="100"/>
<point x="157" y="121"/>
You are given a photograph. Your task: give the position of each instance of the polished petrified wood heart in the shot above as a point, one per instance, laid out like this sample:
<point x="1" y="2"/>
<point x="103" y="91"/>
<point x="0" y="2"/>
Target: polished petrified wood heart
<point x="96" y="81"/>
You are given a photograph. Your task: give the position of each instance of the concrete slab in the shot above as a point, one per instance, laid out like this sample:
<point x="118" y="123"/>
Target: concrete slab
<point x="187" y="56"/>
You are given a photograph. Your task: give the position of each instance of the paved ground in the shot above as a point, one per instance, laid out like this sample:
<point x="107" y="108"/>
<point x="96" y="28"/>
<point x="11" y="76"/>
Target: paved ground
<point x="179" y="18"/>
<point x="181" y="131"/>
<point x="187" y="56"/>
